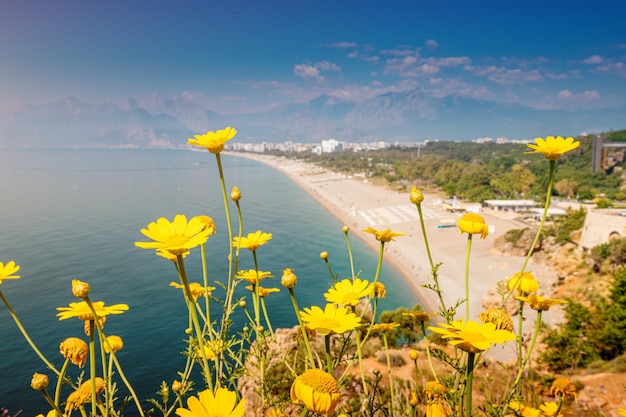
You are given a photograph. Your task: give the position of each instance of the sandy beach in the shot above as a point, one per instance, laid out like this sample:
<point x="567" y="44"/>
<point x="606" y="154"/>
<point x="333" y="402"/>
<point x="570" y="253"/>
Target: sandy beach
<point x="360" y="204"/>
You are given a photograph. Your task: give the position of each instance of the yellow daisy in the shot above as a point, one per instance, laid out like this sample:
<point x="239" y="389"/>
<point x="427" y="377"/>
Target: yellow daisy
<point x="385" y="327"/>
<point x="383" y="235"/>
<point x="263" y="292"/>
<point x="196" y="289"/>
<point x="7" y="271"/>
<point x="82" y="311"/>
<point x="317" y="390"/>
<point x="526" y="284"/>
<point x="471" y="336"/>
<point x="83" y="395"/>
<point x="498" y="317"/>
<point x="348" y="292"/>
<point x="473" y="224"/>
<point x="221" y="404"/>
<point x="562" y="387"/>
<point x="252" y="241"/>
<point x="539" y="303"/>
<point x="552" y="148"/>
<point x="549" y="409"/>
<point x="213" y="141"/>
<point x="176" y="237"/>
<point x="332" y="319"/>
<point x="252" y="276"/>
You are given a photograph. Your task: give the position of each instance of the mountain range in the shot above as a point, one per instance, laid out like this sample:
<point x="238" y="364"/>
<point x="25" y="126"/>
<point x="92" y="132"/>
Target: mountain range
<point x="414" y="115"/>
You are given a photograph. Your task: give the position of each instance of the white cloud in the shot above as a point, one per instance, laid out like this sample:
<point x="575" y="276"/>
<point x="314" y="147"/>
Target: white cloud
<point x="307" y="71"/>
<point x="585" y="95"/>
<point x="591" y="94"/>
<point x="504" y="76"/>
<point x="353" y="54"/>
<point x="431" y="44"/>
<point x="594" y="59"/>
<point x="617" y="67"/>
<point x="565" y="94"/>
<point x="343" y="45"/>
<point x="328" y="66"/>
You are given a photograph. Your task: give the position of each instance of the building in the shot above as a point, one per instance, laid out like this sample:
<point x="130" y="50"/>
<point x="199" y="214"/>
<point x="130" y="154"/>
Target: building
<point x="510" y="205"/>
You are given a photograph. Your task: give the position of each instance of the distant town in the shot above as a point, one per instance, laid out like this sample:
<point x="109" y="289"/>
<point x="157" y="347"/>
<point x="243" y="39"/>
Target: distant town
<point x="334" y="145"/>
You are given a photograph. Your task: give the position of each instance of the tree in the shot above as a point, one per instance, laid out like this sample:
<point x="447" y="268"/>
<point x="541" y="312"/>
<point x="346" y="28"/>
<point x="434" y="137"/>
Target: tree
<point x="566" y="187"/>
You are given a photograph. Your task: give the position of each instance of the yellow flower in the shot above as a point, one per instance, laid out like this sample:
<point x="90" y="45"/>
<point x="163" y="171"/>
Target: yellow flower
<point x="82" y="311"/>
<point x="221" y="404"/>
<point x="170" y="257"/>
<point x="416" y="196"/>
<point x="413" y="354"/>
<point x="235" y="194"/>
<point x="39" y="381"/>
<point x="345" y="229"/>
<point x="473" y="224"/>
<point x="263" y="292"/>
<point x="274" y="412"/>
<point x="114" y="342"/>
<point x="437" y="409"/>
<point x="7" y="271"/>
<point x="176" y="237"/>
<point x="83" y="394"/>
<point x="348" y="292"/>
<point x="434" y="390"/>
<point x="252" y="241"/>
<point x="385" y="327"/>
<point x="379" y="290"/>
<point x="530" y="412"/>
<point x="213" y="141"/>
<point x="419" y="316"/>
<point x="498" y="317"/>
<point x="332" y="319"/>
<point x="252" y="276"/>
<point x="471" y="336"/>
<point x="621" y="411"/>
<point x="75" y="349"/>
<point x="208" y="223"/>
<point x="539" y="303"/>
<point x="552" y="148"/>
<point x="80" y="289"/>
<point x="317" y="390"/>
<point x="289" y="279"/>
<point x="324" y="255"/>
<point x="211" y="350"/>
<point x="549" y="409"/>
<point x="196" y="289"/>
<point x="413" y="400"/>
<point x="527" y="283"/>
<point x="561" y="387"/>
<point x="383" y="235"/>
<point x="177" y="386"/>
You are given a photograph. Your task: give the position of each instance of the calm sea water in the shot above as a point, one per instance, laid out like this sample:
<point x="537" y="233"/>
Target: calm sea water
<point x="68" y="214"/>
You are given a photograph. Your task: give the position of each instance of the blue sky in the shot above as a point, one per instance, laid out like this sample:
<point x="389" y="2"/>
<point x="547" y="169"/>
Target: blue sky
<point x="250" y="56"/>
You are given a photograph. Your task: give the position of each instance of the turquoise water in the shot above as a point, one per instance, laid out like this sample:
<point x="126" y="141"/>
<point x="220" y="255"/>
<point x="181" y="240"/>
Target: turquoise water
<point x="68" y="214"/>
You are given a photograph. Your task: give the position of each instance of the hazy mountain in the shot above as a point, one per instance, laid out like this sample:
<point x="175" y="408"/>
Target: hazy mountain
<point x="159" y="120"/>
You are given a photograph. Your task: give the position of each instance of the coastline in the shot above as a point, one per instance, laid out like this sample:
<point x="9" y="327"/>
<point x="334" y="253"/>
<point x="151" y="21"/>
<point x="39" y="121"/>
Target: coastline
<point x="360" y="204"/>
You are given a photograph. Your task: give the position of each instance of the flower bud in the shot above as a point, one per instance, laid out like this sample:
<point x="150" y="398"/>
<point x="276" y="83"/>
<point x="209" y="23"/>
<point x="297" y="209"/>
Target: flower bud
<point x="188" y="330"/>
<point x="345" y="229"/>
<point x="39" y="382"/>
<point x="413" y="354"/>
<point x="177" y="386"/>
<point x="416" y="196"/>
<point x="235" y="194"/>
<point x="242" y="303"/>
<point x="379" y="290"/>
<point x="80" y="289"/>
<point x="324" y="255"/>
<point x="289" y="279"/>
<point x="115" y="343"/>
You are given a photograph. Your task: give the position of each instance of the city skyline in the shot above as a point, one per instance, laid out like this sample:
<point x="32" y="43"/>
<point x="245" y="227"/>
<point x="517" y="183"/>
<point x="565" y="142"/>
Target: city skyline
<point x="370" y="65"/>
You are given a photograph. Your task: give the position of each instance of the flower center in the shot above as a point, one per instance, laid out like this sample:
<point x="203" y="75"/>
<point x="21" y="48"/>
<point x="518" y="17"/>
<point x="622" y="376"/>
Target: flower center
<point x="320" y="381"/>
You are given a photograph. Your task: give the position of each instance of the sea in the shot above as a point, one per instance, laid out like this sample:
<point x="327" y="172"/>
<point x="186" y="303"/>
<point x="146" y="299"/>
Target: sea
<point x="76" y="213"/>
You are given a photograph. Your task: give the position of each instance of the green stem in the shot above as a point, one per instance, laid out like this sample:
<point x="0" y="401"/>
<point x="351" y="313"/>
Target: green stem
<point x="191" y="307"/>
<point x="467" y="259"/>
<point x="266" y="316"/>
<point x="305" y="337"/>
<point x="389" y="372"/>
<point x="27" y="337"/>
<point x="329" y="361"/>
<point x="92" y="364"/>
<point x="433" y="267"/>
<point x="468" y="383"/>
<point x="349" y="256"/>
<point x="57" y="391"/>
<point x="520" y="372"/>
<point x="538" y="234"/>
<point x="330" y="271"/>
<point x="52" y="403"/>
<point x="380" y="263"/>
<point x="428" y="355"/>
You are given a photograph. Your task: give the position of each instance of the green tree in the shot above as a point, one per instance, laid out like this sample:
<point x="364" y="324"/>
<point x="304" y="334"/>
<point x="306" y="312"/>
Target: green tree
<point x="408" y="331"/>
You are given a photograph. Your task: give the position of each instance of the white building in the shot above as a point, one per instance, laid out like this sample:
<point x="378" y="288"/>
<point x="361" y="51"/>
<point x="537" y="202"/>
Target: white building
<point x="331" y="145"/>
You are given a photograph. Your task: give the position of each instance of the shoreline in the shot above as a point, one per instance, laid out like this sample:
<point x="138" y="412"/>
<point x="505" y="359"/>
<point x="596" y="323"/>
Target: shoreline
<point x="360" y="204"/>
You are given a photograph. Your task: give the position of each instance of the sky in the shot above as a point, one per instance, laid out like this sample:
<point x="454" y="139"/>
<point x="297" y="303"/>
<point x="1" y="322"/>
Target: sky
<point x="250" y="56"/>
